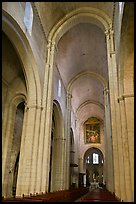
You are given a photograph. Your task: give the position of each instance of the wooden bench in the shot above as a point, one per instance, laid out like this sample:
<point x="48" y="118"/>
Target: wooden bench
<point x="58" y="196"/>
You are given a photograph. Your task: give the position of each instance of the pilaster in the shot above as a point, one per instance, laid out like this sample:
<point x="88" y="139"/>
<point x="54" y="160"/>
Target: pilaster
<point x="128" y="143"/>
<point x="115" y="117"/>
<point x="67" y="136"/>
<point x="108" y="144"/>
<point x="46" y="119"/>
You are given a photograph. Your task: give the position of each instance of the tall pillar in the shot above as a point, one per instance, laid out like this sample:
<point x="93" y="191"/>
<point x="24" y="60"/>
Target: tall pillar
<point x="35" y="144"/>
<point x="126" y="139"/>
<point x="45" y="139"/>
<point x="67" y="136"/>
<point x="58" y="161"/>
<point x="108" y="145"/>
<point x="119" y="188"/>
<point x="40" y="187"/>
<point x="27" y="161"/>
<point x="129" y="110"/>
<point x="105" y="164"/>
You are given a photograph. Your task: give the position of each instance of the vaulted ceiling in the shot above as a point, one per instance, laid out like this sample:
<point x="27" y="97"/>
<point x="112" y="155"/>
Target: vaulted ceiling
<point x="51" y="12"/>
<point x="81" y="50"/>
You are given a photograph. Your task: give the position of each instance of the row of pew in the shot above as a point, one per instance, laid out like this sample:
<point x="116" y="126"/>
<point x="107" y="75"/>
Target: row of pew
<point x="59" y="196"/>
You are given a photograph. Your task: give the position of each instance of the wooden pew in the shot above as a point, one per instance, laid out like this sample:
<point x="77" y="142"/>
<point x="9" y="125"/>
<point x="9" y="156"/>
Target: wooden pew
<point x="58" y="196"/>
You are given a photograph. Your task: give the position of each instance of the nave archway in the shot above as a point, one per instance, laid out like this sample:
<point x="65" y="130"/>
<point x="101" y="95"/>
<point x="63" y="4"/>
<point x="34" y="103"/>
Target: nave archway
<point x="94" y="165"/>
<point x="14" y="147"/>
<point x="56" y="181"/>
<point x="21" y="83"/>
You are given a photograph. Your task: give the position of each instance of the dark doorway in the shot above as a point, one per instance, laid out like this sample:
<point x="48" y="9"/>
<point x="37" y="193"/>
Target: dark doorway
<point x="15" y="176"/>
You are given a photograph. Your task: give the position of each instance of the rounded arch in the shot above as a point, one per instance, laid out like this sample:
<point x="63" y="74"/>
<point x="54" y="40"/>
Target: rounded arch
<point x="126" y="60"/>
<point x="85" y="14"/>
<point x="12" y="137"/>
<point x="87" y="73"/>
<point x="13" y="31"/>
<point x="87" y="110"/>
<point x="57" y="114"/>
<point x="18" y="98"/>
<point x="56" y="148"/>
<point x="13" y="103"/>
<point x="89" y="102"/>
<point x="93" y="150"/>
<point x="90" y="150"/>
<point x="93" y="163"/>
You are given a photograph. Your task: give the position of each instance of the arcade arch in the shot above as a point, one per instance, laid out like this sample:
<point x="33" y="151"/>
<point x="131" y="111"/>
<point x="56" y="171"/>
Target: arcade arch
<point x="94" y="161"/>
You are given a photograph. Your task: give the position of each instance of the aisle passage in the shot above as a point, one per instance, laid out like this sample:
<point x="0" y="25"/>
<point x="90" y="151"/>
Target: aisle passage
<point x="98" y="195"/>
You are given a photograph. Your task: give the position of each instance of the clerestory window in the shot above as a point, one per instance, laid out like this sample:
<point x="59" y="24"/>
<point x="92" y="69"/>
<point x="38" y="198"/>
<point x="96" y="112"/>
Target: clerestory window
<point x="28" y="17"/>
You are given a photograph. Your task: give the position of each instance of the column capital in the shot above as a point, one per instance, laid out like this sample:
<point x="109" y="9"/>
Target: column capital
<point x="109" y="32"/>
<point x="106" y="90"/>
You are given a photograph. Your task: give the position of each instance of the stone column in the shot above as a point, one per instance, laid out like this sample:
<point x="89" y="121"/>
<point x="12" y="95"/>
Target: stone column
<point x="58" y="162"/>
<point x="108" y="144"/>
<point x="7" y="137"/>
<point x="42" y="178"/>
<point x="35" y="145"/>
<point x="82" y="166"/>
<point x="27" y="161"/>
<point x="105" y="167"/>
<point x="67" y="136"/>
<point x="129" y="110"/>
<point x="46" y="132"/>
<point x="127" y="146"/>
<point x="115" y="117"/>
<point x="45" y="124"/>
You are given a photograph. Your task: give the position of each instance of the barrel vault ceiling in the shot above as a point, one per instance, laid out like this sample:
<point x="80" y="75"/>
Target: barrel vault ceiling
<point x="82" y="49"/>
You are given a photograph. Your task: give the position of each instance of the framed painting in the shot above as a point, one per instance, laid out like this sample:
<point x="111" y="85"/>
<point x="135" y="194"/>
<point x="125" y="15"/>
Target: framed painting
<point x="92" y="132"/>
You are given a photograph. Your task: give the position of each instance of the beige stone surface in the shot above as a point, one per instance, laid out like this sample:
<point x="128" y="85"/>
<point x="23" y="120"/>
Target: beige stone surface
<point x="88" y="48"/>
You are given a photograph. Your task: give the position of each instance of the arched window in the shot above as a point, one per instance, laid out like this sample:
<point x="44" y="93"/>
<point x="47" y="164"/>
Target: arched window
<point x="28" y="17"/>
<point x="95" y="158"/>
<point x="59" y="89"/>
